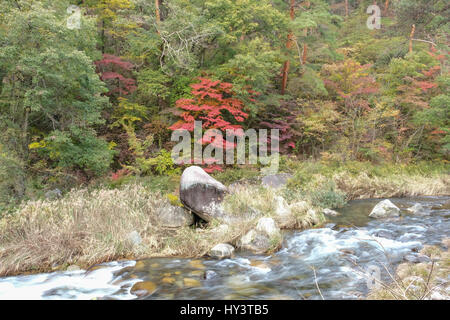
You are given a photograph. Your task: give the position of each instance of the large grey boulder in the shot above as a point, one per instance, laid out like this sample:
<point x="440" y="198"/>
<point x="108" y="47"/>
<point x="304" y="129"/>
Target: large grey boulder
<point x="385" y="209"/>
<point x="266" y="236"/>
<point x="170" y="216"/>
<point x="221" y="251"/>
<point x="202" y="194"/>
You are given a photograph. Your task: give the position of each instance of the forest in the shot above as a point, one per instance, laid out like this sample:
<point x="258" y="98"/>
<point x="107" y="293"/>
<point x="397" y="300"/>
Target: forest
<point x="102" y="99"/>
<point x="91" y="92"/>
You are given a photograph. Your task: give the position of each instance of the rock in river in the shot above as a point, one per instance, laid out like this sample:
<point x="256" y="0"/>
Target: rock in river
<point x="418" y="209"/>
<point x="222" y="250"/>
<point x="385" y="209"/>
<point x="202" y="194"/>
<point x="143" y="288"/>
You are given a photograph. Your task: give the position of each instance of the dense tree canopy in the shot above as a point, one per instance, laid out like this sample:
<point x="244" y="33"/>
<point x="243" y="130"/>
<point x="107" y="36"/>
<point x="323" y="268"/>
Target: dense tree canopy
<point x="82" y="102"/>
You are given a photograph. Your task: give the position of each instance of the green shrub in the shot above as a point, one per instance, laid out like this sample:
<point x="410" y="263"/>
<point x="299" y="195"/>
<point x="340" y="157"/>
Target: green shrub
<point x="328" y="197"/>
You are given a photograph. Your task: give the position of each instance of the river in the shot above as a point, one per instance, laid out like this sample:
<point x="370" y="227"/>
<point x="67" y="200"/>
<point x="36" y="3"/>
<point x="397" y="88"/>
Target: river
<point x="333" y="262"/>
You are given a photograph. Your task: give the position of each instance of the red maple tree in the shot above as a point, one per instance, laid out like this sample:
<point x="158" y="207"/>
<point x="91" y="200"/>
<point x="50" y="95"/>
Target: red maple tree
<point x="214" y="103"/>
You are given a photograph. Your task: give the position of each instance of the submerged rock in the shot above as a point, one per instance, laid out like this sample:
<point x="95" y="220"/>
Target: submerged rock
<point x="385" y="209"/>
<point x="202" y="194"/>
<point x="266" y="236"/>
<point x="210" y="274"/>
<point x="197" y="264"/>
<point x="191" y="283"/>
<point x="221" y="251"/>
<point x="143" y="288"/>
<point x="418" y="209"/>
<point x="170" y="216"/>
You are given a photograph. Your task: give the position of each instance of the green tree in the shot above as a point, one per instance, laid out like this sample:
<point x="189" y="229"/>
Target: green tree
<point x="50" y="88"/>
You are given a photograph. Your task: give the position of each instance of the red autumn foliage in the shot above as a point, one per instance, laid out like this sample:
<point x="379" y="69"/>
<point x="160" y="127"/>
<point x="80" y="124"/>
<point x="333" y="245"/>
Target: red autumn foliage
<point x="215" y="105"/>
<point x="119" y="174"/>
<point x="113" y="71"/>
<point x="425" y="85"/>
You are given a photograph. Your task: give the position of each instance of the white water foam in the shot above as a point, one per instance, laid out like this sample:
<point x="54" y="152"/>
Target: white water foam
<point x="67" y="285"/>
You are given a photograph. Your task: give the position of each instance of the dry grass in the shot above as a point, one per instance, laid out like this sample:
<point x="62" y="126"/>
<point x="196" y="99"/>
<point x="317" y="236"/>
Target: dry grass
<point x="364" y="180"/>
<point x="260" y="201"/>
<point x="86" y="228"/>
<point x="90" y="227"/>
<point x="420" y="281"/>
<point x="398" y="185"/>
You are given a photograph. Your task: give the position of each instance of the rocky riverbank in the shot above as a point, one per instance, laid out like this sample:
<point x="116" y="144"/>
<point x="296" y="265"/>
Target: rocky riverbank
<point x="84" y="228"/>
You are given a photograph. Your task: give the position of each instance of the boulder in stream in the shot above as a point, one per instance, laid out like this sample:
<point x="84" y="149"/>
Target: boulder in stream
<point x="418" y="209"/>
<point x="385" y="209"/>
<point x="221" y="251"/>
<point x="202" y="194"/>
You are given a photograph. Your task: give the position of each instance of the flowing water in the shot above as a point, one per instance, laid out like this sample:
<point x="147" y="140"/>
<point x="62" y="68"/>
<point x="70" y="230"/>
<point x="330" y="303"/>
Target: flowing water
<point x="337" y="259"/>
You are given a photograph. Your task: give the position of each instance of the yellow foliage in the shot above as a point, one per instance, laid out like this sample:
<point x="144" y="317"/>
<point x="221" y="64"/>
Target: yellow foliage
<point x="37" y="145"/>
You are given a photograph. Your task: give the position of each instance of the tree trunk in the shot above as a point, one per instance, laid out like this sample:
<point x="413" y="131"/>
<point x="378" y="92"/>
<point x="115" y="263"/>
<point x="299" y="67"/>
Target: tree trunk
<point x="386" y="7"/>
<point x="305" y="47"/>
<point x="305" y="53"/>
<point x="157" y="12"/>
<point x="411" y="36"/>
<point x="346" y="8"/>
<point x="288" y="46"/>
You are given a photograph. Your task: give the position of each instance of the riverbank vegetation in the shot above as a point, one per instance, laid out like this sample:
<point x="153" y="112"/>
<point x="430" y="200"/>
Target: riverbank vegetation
<point x="87" y="226"/>
<point x="91" y="91"/>
<point x="419" y="281"/>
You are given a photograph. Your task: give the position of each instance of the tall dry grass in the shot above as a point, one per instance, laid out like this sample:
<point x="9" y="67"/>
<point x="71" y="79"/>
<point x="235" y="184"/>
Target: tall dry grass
<point x="418" y="281"/>
<point x="87" y="228"/>
<point x="259" y="201"/>
<point x="362" y="186"/>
